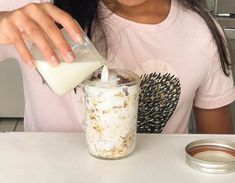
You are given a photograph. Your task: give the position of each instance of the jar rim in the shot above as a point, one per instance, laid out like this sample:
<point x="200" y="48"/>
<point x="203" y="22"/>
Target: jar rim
<point x="135" y="79"/>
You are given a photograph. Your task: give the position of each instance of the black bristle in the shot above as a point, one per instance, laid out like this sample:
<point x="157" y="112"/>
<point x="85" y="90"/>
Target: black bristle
<point x="158" y="99"/>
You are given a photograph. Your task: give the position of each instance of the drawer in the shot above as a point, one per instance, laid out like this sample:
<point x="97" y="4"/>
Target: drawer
<point x="221" y="6"/>
<point x="225" y="6"/>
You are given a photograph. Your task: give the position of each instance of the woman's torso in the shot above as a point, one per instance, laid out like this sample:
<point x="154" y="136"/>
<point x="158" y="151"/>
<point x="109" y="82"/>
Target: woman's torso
<point x="171" y="58"/>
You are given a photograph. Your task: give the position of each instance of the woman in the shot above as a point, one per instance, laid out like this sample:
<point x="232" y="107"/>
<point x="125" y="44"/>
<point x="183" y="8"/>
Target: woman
<point x="173" y="45"/>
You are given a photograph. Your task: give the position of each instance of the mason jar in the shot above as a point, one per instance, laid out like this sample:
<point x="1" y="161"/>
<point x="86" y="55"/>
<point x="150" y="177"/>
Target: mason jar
<point x="111" y="114"/>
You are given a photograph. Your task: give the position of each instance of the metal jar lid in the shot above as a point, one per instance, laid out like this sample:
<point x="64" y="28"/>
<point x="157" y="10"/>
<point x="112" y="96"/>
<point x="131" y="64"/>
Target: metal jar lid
<point x="211" y="156"/>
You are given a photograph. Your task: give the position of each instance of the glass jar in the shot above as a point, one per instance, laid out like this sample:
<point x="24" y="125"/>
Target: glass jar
<point x="111" y="114"/>
<point x="66" y="76"/>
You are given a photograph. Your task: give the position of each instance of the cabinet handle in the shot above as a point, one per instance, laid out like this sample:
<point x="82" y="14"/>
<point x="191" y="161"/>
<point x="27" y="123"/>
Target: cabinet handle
<point x="226" y="15"/>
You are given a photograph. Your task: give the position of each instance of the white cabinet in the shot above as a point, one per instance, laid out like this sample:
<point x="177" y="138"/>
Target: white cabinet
<point x="11" y="90"/>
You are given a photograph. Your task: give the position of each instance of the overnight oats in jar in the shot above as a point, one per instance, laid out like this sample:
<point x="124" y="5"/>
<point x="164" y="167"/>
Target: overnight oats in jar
<point x="111" y="114"/>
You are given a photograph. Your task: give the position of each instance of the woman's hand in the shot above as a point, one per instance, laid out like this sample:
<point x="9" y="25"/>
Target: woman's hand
<point x="37" y="22"/>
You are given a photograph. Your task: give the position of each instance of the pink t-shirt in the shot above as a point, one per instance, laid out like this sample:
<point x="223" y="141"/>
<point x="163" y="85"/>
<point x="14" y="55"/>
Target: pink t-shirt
<point x="177" y="60"/>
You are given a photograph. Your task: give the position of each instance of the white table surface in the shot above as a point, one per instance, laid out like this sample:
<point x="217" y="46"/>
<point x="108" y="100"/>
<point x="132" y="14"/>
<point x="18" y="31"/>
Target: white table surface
<point x="63" y="158"/>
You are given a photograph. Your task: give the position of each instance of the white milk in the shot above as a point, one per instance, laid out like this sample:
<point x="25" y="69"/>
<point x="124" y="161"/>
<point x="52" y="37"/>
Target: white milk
<point x="105" y="74"/>
<point x="66" y="76"/>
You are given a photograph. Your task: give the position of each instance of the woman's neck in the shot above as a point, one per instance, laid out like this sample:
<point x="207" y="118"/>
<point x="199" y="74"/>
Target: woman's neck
<point x="150" y="12"/>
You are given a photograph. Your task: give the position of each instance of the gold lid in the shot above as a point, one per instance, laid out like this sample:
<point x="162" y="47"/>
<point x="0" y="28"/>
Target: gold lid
<point x="211" y="155"/>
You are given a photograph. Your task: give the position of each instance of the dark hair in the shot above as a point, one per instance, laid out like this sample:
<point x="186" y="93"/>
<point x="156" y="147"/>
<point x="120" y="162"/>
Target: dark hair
<point x="86" y="12"/>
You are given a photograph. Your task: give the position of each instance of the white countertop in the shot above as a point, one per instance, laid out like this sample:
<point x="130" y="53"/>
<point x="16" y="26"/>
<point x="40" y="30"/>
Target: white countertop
<point x="63" y="158"/>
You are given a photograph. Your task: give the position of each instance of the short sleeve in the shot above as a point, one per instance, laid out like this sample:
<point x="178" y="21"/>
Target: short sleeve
<point x="10" y="5"/>
<point x="2" y="57"/>
<point x="218" y="89"/>
<point x="8" y="51"/>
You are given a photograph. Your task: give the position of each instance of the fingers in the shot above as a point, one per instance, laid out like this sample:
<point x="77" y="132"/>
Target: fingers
<point x="37" y="21"/>
<point x="36" y="35"/>
<point x="21" y="46"/>
<point x="65" y="20"/>
<point x="54" y="34"/>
